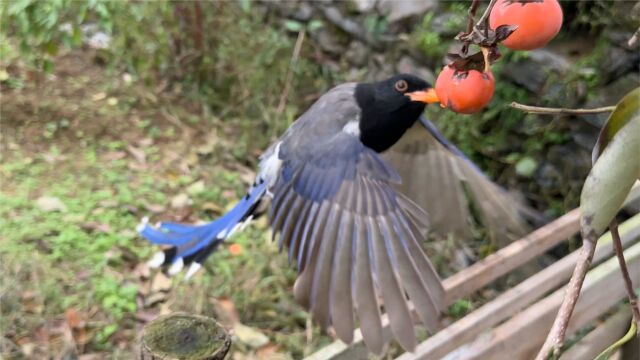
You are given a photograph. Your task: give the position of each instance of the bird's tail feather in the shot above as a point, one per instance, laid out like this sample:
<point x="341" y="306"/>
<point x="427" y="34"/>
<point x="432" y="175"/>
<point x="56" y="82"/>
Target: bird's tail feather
<point x="192" y="244"/>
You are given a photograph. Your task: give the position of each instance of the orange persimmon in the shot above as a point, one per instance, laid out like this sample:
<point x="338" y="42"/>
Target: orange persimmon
<point x="538" y="22"/>
<point x="464" y="91"/>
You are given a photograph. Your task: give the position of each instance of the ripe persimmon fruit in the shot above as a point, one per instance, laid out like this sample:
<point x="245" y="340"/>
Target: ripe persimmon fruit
<point x="464" y="91"/>
<point x="538" y="22"/>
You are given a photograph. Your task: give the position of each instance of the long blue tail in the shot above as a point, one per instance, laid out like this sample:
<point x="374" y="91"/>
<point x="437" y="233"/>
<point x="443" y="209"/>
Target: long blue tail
<point x="192" y="244"/>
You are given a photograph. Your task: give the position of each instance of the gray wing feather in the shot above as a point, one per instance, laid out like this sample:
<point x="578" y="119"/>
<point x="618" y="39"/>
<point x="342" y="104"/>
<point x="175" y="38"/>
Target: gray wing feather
<point x="437" y="177"/>
<point x="392" y="294"/>
<point x="340" y="289"/>
<point x="354" y="239"/>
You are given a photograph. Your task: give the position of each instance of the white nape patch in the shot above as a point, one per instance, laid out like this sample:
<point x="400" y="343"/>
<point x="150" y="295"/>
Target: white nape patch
<point x="157" y="260"/>
<point x="176" y="267"/>
<point x="193" y="269"/>
<point x="270" y="168"/>
<point x="352" y="128"/>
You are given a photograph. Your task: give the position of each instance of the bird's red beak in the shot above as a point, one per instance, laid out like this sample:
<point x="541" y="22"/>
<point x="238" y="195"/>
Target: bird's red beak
<point x="427" y="96"/>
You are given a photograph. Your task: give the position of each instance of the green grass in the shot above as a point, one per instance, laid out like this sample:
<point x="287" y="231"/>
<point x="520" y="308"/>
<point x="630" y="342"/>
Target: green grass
<point x="65" y="264"/>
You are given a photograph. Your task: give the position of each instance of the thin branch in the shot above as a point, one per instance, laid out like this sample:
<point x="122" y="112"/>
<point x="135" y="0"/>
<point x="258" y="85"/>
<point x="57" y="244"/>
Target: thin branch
<point x="484" y="20"/>
<point x="617" y="245"/>
<point x="560" y="111"/>
<point x="471" y="13"/>
<point x="289" y="77"/>
<point x="634" y="39"/>
<point x="555" y="338"/>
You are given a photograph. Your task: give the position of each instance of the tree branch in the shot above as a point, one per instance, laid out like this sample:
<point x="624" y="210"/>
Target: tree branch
<point x="617" y="245"/>
<point x="555" y="338"/>
<point x="484" y="20"/>
<point x="560" y="111"/>
<point x="471" y="13"/>
<point x="634" y="39"/>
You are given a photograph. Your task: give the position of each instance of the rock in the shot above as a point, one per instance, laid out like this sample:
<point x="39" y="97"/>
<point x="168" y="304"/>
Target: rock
<point x="379" y="68"/>
<point x="609" y="95"/>
<point x="196" y="188"/>
<point x="408" y="65"/>
<point x="357" y="54"/>
<point x="618" y="62"/>
<point x="566" y="167"/>
<point x="532" y="73"/>
<point x="328" y="41"/>
<point x="550" y="59"/>
<point x="447" y="24"/>
<point x="180" y="201"/>
<point x="397" y="10"/>
<point x="50" y="204"/>
<point x="250" y="336"/>
<point x="548" y="176"/>
<point x="364" y="5"/>
<point x="303" y="12"/>
<point x="161" y="283"/>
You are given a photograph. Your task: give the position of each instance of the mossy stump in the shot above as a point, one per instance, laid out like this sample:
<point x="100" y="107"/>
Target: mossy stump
<point x="184" y="337"/>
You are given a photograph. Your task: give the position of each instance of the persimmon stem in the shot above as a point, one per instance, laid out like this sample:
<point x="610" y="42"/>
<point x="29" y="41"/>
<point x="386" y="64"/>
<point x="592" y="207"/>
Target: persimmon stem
<point x="485" y="54"/>
<point x="617" y="245"/>
<point x="560" y="111"/>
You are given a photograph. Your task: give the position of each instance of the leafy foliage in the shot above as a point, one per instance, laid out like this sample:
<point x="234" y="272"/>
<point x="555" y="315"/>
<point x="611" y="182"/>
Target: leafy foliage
<point x="614" y="171"/>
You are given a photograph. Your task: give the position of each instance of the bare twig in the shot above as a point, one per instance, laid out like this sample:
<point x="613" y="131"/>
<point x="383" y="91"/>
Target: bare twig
<point x="287" y="85"/>
<point x="633" y="41"/>
<point x="555" y="338"/>
<point x="560" y="111"/>
<point x="471" y="13"/>
<point x="484" y="20"/>
<point x="617" y="245"/>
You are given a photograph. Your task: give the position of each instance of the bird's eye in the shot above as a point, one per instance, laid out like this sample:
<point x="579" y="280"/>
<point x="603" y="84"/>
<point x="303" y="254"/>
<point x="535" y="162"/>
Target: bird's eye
<point x="401" y="85"/>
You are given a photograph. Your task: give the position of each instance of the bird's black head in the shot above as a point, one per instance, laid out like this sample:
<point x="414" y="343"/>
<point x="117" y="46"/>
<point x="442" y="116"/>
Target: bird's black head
<point x="390" y="107"/>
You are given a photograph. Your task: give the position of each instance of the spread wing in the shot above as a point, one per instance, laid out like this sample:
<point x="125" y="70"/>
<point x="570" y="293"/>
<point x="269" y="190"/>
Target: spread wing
<point x="356" y="242"/>
<point x="441" y="180"/>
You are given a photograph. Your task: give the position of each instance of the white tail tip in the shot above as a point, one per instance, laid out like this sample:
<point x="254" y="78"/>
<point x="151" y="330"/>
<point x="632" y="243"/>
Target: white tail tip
<point x="143" y="222"/>
<point x="176" y="267"/>
<point x="157" y="260"/>
<point x="193" y="269"/>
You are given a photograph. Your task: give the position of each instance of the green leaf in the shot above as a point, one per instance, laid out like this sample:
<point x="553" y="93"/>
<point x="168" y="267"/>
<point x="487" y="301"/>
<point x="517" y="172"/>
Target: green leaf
<point x="526" y="166"/>
<point x="47" y="66"/>
<point x="245" y="5"/>
<point x="616" y="345"/>
<point x="624" y="111"/>
<point x="315" y="25"/>
<point x="293" y="25"/>
<point x="612" y="175"/>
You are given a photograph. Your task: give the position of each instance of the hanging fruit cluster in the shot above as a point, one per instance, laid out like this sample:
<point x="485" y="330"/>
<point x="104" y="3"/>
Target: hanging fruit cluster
<point x="466" y="84"/>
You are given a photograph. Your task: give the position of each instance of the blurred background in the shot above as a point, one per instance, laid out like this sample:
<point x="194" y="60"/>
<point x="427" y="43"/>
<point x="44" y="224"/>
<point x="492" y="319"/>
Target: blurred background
<point x="115" y="110"/>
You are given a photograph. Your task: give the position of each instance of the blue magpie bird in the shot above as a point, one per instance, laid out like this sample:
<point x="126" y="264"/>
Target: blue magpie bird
<point x="347" y="184"/>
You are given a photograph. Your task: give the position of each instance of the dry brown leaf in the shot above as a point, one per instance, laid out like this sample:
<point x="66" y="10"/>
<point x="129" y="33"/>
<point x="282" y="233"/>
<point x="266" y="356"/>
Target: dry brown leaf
<point x="138" y="154"/>
<point x="73" y="318"/>
<point x="226" y="311"/>
<point x="30" y="303"/>
<point x="270" y="352"/>
<point x="161" y="283"/>
<point x="94" y="226"/>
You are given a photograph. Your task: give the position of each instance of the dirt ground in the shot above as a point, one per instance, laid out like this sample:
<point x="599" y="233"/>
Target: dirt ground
<point x="87" y="152"/>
